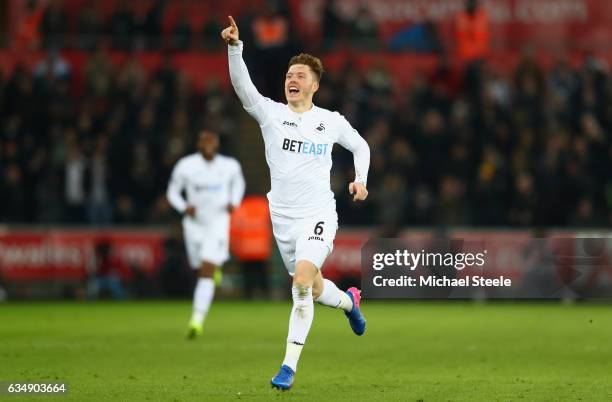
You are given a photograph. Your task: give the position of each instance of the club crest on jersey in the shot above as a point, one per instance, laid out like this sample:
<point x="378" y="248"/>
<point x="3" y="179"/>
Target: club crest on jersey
<point x="289" y="123"/>
<point x="321" y="127"/>
<point x="304" y="147"/>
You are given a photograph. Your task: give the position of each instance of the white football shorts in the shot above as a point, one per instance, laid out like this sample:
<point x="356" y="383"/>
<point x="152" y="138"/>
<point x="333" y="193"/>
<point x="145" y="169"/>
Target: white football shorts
<point x="207" y="242"/>
<point x="310" y="239"/>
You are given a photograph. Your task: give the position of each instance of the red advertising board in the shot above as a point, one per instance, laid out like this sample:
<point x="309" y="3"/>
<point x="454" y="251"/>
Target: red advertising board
<point x="505" y="249"/>
<point x="70" y="254"/>
<point x="63" y="254"/>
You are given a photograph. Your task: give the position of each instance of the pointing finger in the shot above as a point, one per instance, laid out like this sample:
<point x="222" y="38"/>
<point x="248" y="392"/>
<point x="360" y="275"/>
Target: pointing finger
<point x="232" y="22"/>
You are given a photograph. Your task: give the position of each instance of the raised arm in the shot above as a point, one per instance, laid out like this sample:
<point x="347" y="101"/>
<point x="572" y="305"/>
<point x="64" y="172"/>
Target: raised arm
<point x="350" y="139"/>
<point x="252" y="101"/>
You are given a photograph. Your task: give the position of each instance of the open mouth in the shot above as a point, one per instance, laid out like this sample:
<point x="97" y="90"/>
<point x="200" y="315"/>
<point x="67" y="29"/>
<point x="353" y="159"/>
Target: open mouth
<point x="293" y="89"/>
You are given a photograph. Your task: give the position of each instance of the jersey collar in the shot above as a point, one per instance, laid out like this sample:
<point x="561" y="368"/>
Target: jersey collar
<point x="312" y="108"/>
<point x="208" y="162"/>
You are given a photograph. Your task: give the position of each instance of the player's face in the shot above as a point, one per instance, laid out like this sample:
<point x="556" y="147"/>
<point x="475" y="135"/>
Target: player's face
<point x="208" y="144"/>
<point x="300" y="83"/>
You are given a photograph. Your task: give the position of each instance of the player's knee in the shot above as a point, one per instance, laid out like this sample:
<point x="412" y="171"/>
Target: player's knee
<point x="305" y="273"/>
<point x="302" y="281"/>
<point x="207" y="270"/>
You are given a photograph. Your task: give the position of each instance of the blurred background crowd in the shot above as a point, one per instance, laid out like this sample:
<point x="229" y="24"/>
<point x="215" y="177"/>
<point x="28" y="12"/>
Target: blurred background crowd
<point x="460" y="144"/>
<point x="105" y="155"/>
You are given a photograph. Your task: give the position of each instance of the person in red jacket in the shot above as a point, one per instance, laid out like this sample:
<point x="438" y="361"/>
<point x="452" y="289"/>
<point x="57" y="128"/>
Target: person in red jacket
<point x="472" y="32"/>
<point x="251" y="242"/>
<point x="27" y="35"/>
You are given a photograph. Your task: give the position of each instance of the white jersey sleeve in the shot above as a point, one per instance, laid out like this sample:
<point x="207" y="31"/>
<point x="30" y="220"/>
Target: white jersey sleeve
<point x="253" y="102"/>
<point x="237" y="186"/>
<point x="175" y="187"/>
<point x="350" y="139"/>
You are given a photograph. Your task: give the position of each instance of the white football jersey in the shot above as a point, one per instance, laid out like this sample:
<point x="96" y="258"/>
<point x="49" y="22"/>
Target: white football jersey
<point x="298" y="147"/>
<point x="210" y="186"/>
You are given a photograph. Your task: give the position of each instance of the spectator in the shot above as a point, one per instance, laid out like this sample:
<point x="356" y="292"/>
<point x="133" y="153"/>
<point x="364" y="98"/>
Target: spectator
<point x="125" y="210"/>
<point x="14" y="198"/>
<point x="54" y="25"/>
<point x="583" y="216"/>
<point x="161" y="212"/>
<point x="420" y="37"/>
<point x="89" y="27"/>
<point x="490" y="188"/>
<point x="271" y="39"/>
<point x="122" y="26"/>
<point x="75" y="178"/>
<point x="271" y="30"/>
<point x="210" y="33"/>
<point x="452" y="208"/>
<point x="106" y="280"/>
<point x="131" y="78"/>
<point x="99" y="75"/>
<point x="524" y="201"/>
<point x="424" y="206"/>
<point x="251" y="243"/>
<point x="245" y="22"/>
<point x="391" y="199"/>
<point x="49" y="197"/>
<point x="166" y="76"/>
<point x="27" y="33"/>
<point x="472" y="32"/>
<point x="99" y="210"/>
<point x="53" y="66"/>
<point x="332" y="26"/>
<point x="181" y="34"/>
<point x="175" y="275"/>
<point x="364" y="31"/>
<point x="149" y="28"/>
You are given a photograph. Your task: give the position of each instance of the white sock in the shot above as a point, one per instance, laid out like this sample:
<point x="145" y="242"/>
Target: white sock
<point x="300" y="321"/>
<point x="333" y="297"/>
<point x="292" y="355"/>
<point x="202" y="297"/>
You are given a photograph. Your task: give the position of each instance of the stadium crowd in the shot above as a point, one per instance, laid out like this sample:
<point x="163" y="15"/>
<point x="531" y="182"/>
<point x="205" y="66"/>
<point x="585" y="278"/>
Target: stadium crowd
<point x="469" y="147"/>
<point x="529" y="149"/>
<point x="103" y="156"/>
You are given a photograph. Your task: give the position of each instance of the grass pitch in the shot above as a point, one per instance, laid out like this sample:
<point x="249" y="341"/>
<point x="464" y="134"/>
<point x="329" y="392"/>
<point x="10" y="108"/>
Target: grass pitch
<point x="410" y="352"/>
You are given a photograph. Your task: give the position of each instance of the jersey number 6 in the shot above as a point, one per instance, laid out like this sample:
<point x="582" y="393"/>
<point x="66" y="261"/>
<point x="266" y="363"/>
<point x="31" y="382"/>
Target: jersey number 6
<point x="318" y="230"/>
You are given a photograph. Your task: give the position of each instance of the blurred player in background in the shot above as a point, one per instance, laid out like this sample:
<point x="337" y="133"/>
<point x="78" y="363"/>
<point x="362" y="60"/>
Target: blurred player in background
<point x="214" y="186"/>
<point x="299" y="137"/>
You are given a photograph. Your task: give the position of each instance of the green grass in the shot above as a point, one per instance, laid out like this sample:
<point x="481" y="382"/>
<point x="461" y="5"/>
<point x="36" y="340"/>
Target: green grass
<point x="411" y="352"/>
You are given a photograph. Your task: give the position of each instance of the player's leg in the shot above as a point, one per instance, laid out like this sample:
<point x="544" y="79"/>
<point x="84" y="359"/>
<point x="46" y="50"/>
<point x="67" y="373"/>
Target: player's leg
<point x="285" y="230"/>
<point x="300" y="320"/>
<point x="211" y="252"/>
<point x="319" y="244"/>
<point x="327" y="293"/>
<point x="314" y="241"/>
<point x="302" y="312"/>
<point x="193" y="245"/>
<point x="202" y="298"/>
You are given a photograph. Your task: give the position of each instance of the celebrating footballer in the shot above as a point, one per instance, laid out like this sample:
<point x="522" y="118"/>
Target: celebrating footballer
<point x="298" y="138"/>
